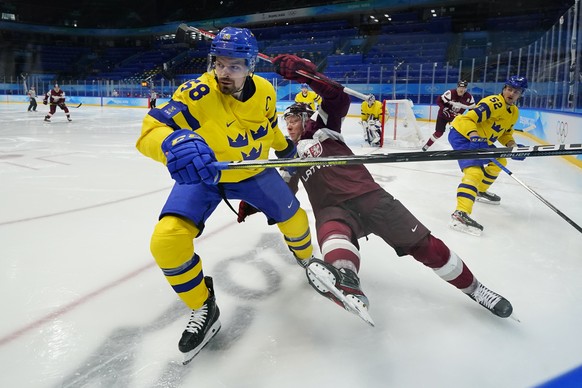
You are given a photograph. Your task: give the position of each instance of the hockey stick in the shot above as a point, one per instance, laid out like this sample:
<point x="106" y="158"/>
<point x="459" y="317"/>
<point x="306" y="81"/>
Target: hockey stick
<point x="565" y="217"/>
<point x="183" y="29"/>
<point x="417" y="156"/>
<point x="71" y="106"/>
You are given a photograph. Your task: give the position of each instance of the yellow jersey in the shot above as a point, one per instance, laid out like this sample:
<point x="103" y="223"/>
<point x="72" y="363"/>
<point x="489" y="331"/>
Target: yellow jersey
<point x="492" y="118"/>
<point x="310" y="99"/>
<point x="235" y="130"/>
<point x="374" y="111"/>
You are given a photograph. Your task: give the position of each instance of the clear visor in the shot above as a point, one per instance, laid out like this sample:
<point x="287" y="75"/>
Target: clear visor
<point x="249" y="63"/>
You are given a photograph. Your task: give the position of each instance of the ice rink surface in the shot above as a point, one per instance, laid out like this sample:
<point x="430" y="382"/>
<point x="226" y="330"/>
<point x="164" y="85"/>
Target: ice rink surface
<point x="84" y="304"/>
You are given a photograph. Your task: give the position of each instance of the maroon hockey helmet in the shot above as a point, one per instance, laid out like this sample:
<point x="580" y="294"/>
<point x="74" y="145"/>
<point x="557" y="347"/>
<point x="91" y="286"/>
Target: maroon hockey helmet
<point x="298" y="109"/>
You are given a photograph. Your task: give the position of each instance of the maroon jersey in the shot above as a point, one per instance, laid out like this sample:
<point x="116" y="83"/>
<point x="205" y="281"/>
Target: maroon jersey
<point x="55" y="97"/>
<point x="330" y="186"/>
<point x="445" y="102"/>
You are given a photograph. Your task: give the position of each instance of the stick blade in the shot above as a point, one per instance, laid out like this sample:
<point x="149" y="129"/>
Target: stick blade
<point x="182" y="34"/>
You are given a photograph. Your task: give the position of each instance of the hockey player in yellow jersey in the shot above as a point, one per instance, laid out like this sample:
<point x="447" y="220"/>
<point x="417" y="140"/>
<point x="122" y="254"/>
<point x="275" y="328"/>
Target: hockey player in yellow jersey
<point x="308" y="97"/>
<point x="371" y="117"/>
<point x="491" y="121"/>
<point x="227" y="114"/>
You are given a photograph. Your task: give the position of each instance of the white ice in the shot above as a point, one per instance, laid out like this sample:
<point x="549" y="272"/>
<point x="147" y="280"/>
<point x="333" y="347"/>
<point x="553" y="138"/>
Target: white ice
<point x="84" y="305"/>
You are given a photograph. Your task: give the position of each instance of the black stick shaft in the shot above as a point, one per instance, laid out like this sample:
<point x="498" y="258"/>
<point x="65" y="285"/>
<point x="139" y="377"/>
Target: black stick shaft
<point x="487" y="153"/>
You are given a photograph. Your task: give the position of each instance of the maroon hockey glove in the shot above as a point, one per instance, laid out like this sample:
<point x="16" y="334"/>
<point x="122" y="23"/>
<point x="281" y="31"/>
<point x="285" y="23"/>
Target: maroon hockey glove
<point x="449" y="114"/>
<point x="245" y="210"/>
<point x="287" y="66"/>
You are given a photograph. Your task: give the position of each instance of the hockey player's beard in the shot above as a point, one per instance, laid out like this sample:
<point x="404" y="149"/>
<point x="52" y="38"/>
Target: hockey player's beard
<point x="228" y="86"/>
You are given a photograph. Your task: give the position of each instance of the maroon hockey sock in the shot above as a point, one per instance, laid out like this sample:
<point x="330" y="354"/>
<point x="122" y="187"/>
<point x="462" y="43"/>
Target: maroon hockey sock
<point x="433" y="253"/>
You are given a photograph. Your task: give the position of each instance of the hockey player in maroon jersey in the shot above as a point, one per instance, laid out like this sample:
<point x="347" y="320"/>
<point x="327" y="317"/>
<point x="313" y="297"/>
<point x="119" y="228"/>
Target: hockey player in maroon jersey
<point x="348" y="204"/>
<point x="451" y="104"/>
<point x="56" y="97"/>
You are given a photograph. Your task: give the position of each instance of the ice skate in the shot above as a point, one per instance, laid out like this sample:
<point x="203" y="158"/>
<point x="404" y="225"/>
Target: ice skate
<point x="492" y="301"/>
<point x="425" y="147"/>
<point x="461" y="222"/>
<point x="304" y="262"/>
<point x="341" y="286"/>
<point x="487" y="197"/>
<point x="47" y="119"/>
<point x="202" y="326"/>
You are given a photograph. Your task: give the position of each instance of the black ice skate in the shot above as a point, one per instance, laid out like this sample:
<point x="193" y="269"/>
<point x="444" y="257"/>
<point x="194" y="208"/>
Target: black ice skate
<point x="487" y="197"/>
<point x="304" y="262"/>
<point x="47" y="119"/>
<point x="202" y="326"/>
<point x="461" y="222"/>
<point x="492" y="301"/>
<point x="341" y="286"/>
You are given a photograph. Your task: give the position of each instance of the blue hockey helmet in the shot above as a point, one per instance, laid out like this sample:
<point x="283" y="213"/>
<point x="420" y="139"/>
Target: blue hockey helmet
<point x="303" y="86"/>
<point x="235" y="42"/>
<point x="517" y="82"/>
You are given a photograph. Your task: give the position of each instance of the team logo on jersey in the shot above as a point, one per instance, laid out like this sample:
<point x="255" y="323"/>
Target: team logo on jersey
<point x="261" y="132"/>
<point x="253" y="154"/>
<point x="170" y="110"/>
<point x="240" y="141"/>
<point x="309" y="148"/>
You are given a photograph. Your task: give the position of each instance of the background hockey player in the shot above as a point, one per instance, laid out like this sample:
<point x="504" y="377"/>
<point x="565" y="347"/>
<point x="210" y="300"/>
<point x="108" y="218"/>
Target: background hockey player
<point x="348" y="204"/>
<point x="153" y="98"/>
<point x="226" y="114"/>
<point x="32" y="99"/>
<point x="56" y="97"/>
<point x="451" y="103"/>
<point x="307" y="96"/>
<point x="371" y="116"/>
<point x="491" y="121"/>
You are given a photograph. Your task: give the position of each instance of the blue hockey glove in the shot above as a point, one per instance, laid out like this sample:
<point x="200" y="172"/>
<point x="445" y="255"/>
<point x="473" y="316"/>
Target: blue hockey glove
<point x="478" y="142"/>
<point x="518" y="157"/>
<point x="287" y="153"/>
<point x="190" y="159"/>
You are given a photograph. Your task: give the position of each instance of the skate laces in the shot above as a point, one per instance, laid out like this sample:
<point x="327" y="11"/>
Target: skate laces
<point x="485" y="296"/>
<point x="349" y="283"/>
<point x="464" y="218"/>
<point x="197" y="319"/>
<point x="460" y="216"/>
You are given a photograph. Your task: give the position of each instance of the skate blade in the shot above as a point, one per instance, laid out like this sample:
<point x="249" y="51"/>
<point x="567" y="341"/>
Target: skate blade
<point x="211" y="333"/>
<point x="320" y="274"/>
<point x="459" y="227"/>
<point x="483" y="200"/>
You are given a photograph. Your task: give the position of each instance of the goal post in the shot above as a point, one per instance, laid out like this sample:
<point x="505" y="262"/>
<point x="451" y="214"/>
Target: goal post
<point x="399" y="126"/>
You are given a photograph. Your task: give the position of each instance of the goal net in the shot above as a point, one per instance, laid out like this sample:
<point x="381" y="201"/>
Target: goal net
<point x="399" y="126"/>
